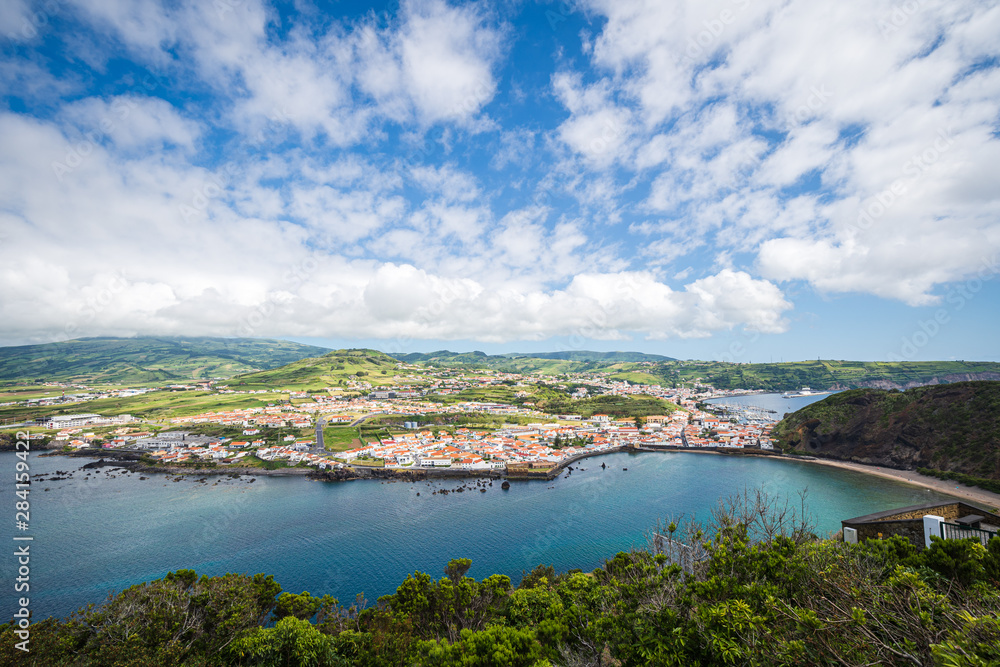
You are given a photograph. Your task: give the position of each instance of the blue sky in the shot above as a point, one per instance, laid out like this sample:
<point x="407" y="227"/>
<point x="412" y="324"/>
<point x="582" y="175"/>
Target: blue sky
<point x="736" y="179"/>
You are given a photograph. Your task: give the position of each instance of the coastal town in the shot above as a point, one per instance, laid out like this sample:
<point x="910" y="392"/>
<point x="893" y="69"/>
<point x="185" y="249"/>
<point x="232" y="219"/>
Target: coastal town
<point x="526" y="440"/>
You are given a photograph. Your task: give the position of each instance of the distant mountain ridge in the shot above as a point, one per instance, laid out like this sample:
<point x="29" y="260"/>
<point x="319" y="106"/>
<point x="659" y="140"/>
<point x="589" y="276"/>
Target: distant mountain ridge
<point x="148" y="359"/>
<point x="447" y="356"/>
<point x="952" y="427"/>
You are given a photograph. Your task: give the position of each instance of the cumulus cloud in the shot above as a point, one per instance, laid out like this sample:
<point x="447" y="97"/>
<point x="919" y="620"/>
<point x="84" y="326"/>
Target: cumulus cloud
<point x="857" y="164"/>
<point x="261" y="182"/>
<point x="133" y="262"/>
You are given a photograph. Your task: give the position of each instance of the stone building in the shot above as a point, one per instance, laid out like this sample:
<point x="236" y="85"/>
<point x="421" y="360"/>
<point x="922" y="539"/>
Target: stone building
<point x="910" y="522"/>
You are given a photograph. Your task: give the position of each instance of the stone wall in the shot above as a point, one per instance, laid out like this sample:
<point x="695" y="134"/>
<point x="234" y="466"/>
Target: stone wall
<point x="911" y="529"/>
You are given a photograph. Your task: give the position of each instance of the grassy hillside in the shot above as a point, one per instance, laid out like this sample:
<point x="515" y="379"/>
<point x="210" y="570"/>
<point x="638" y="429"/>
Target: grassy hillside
<point x="146" y="360"/>
<point x="333" y="369"/>
<point x="616" y="406"/>
<point x="824" y="374"/>
<point x="949" y="427"/>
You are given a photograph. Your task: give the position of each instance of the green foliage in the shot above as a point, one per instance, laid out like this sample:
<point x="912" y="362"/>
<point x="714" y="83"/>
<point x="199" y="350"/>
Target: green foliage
<point x="493" y="647"/>
<point x="969" y="480"/>
<point x="291" y="642"/>
<point x="949" y="431"/>
<point x="634" y="407"/>
<point x="302" y="607"/>
<point x="780" y="598"/>
<point x="148" y="359"/>
<point x="820" y="374"/>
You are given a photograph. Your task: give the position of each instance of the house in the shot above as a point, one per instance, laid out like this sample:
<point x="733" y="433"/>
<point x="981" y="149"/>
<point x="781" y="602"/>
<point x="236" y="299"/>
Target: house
<point x="948" y="520"/>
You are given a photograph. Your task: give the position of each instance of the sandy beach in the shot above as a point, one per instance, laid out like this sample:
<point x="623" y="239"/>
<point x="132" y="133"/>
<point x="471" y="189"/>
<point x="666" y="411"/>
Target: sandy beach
<point x="986" y="499"/>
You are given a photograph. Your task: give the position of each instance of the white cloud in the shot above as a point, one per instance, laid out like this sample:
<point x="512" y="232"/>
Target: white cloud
<point x="447" y="59"/>
<point x="447" y="181"/>
<point x="133" y="122"/>
<point x="16" y="20"/>
<point x="744" y="103"/>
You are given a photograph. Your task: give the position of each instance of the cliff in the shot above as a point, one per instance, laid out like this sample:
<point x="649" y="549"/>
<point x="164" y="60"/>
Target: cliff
<point x="952" y="427"/>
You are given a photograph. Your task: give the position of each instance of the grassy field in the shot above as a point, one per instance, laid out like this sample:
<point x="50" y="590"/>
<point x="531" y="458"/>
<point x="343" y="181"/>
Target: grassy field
<point x="341" y="438"/>
<point x="335" y="369"/>
<point x="154" y="405"/>
<point x="616" y="406"/>
<point x="634" y="377"/>
<point x="492" y="394"/>
<point x="14" y="392"/>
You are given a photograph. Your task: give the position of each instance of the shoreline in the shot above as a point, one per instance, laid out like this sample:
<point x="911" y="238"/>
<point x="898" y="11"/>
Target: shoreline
<point x="987" y="499"/>
<point x="128" y="459"/>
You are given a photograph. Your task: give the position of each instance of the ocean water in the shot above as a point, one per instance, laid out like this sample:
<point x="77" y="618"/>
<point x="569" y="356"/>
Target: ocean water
<point x="780" y="406"/>
<point x="102" y="533"/>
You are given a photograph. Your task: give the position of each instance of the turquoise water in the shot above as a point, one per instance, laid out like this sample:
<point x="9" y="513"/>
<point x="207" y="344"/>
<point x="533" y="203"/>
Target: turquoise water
<point x="105" y="533"/>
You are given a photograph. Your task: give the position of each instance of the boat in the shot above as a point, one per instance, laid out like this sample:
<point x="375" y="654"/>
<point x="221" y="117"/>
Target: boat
<point x="805" y="391"/>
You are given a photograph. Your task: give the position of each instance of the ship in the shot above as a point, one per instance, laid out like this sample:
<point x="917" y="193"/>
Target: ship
<point x="805" y="391"/>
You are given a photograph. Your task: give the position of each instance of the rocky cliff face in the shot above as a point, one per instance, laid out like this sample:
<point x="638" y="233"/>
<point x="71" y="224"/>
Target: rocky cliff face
<point x="944" y="379"/>
<point x="948" y="427"/>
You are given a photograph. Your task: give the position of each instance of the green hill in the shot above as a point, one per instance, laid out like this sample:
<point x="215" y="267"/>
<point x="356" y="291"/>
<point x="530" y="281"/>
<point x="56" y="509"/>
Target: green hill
<point x="952" y="428"/>
<point x="587" y="355"/>
<point x="542" y="363"/>
<point x="825" y="374"/>
<point x="335" y="368"/>
<point x="147" y="359"/>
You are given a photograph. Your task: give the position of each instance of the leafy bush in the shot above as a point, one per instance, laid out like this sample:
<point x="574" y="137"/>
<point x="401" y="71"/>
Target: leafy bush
<point x="752" y="587"/>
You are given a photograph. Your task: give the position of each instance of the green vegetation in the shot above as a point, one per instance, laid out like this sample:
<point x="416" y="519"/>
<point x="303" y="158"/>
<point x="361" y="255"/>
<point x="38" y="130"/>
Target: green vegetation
<point x="492" y="394"/>
<point x="147" y="360"/>
<point x="616" y="406"/>
<point x="758" y="589"/>
<point x="154" y="405"/>
<point x="987" y="484"/>
<point x="254" y="462"/>
<point x="823" y="374"/>
<point x="341" y="438"/>
<point x="953" y="428"/>
<point x="332" y="369"/>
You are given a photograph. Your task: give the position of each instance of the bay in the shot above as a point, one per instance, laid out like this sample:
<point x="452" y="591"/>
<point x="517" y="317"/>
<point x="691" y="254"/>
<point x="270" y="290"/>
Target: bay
<point x="776" y="402"/>
<point x="102" y="533"/>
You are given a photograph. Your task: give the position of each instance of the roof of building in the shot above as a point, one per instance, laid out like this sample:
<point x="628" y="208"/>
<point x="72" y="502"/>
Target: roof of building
<point x="889" y="515"/>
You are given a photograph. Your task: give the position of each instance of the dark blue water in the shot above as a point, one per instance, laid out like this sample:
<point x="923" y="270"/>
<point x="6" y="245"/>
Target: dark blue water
<point x="102" y="534"/>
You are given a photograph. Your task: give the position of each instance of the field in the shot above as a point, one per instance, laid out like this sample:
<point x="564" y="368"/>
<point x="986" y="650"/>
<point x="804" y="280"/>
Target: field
<point x="336" y="369"/>
<point x="341" y="438"/>
<point x="154" y="405"/>
<point x="146" y="361"/>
